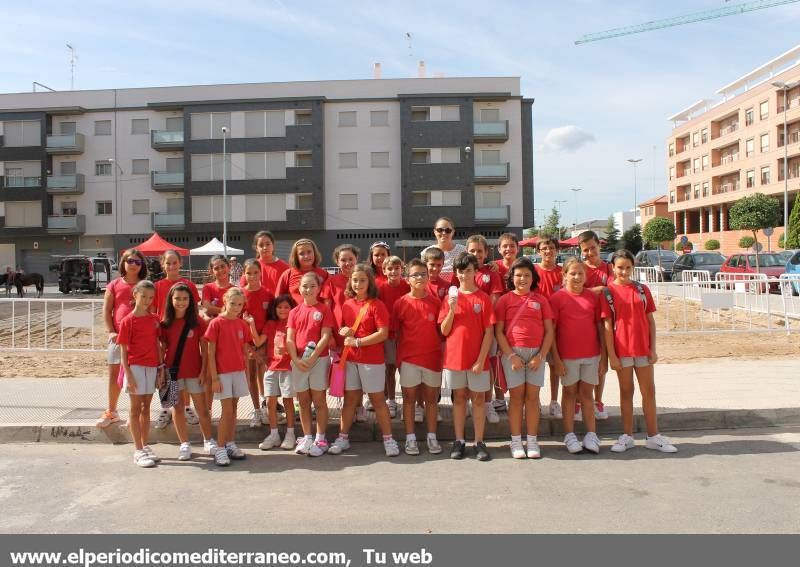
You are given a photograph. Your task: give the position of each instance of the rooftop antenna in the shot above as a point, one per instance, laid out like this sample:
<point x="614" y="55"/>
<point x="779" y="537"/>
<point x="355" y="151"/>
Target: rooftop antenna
<point x="43" y="86"/>
<point x="72" y="59"/>
<point x="408" y="40"/>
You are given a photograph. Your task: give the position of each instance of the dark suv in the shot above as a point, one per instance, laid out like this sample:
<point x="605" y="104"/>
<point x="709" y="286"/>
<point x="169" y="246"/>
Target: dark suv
<point x="650" y="259"/>
<point x="84" y="273"/>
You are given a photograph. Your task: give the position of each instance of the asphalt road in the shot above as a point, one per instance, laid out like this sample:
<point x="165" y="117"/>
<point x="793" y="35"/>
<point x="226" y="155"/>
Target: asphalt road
<point x="720" y="481"/>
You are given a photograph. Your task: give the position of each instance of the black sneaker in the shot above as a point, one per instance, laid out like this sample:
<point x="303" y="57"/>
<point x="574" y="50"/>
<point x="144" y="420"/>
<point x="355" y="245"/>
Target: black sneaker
<point x="457" y="452"/>
<point x="481" y="453"/>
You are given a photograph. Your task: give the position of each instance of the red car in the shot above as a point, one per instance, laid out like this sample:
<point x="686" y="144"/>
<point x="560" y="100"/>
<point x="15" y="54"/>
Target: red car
<point x="768" y="264"/>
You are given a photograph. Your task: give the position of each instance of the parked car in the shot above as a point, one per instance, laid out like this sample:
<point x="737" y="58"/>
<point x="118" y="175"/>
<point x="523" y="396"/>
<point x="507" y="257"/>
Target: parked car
<point x="768" y="263"/>
<point x="793" y="267"/>
<point x="707" y="261"/>
<point x="84" y="273"/>
<point x="786" y="254"/>
<point x="663" y="260"/>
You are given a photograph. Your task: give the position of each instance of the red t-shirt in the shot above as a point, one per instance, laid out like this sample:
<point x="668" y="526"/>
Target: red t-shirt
<point x="256" y="304"/>
<point x="289" y="282"/>
<point x="275" y="331"/>
<point x="389" y="294"/>
<point x="376" y="317"/>
<point x="631" y="325"/>
<point x="333" y="291"/>
<point x="550" y="281"/>
<point x="420" y="341"/>
<point x="528" y="330"/>
<point x="473" y="316"/>
<point x="123" y="300"/>
<point x="489" y="282"/>
<point x="270" y="273"/>
<point x="162" y="289"/>
<point x="600" y="276"/>
<point x="229" y="335"/>
<point x="140" y="335"/>
<point x="191" y="360"/>
<point x="308" y="322"/>
<point x="576" y="316"/>
<point x="213" y="293"/>
<point x="438" y="287"/>
<point x="502" y="271"/>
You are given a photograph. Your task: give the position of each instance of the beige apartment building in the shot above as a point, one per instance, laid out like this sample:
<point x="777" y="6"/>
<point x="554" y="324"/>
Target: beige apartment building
<point x="725" y="149"/>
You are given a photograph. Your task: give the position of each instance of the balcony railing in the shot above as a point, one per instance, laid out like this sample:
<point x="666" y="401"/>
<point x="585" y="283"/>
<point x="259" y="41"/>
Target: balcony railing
<point x="17" y="182"/>
<point x="491" y="174"/>
<point x="166" y="140"/>
<point x="493" y="215"/>
<point x="729" y="158"/>
<point x="65" y="184"/>
<point x="726" y="188"/>
<point x="66" y="224"/>
<point x="490" y="131"/>
<point x="164" y="220"/>
<point x="794" y="172"/>
<point x="163" y="181"/>
<point x="65" y="145"/>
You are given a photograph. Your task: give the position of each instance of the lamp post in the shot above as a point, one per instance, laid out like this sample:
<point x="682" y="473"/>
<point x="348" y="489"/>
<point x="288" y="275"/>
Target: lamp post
<point x="557" y="205"/>
<point x="635" y="197"/>
<point x="575" y="191"/>
<point x="224" y="194"/>
<point x="785" y="88"/>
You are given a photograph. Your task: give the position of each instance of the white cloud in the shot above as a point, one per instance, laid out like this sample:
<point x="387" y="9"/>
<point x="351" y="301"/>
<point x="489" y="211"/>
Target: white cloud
<point x="567" y="138"/>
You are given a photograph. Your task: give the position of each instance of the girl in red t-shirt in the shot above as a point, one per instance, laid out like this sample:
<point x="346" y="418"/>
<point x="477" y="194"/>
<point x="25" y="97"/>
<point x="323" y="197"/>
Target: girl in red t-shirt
<point x="271" y="267"/>
<point x="180" y="310"/>
<point x="257" y="304"/>
<point x="304" y="257"/>
<point x="117" y="303"/>
<point x="630" y="331"/>
<point x="524" y="332"/>
<point x="219" y="268"/>
<point x="141" y="361"/>
<point x="578" y="352"/>
<point x="378" y="253"/>
<point x="365" y="327"/>
<point x="390" y="289"/>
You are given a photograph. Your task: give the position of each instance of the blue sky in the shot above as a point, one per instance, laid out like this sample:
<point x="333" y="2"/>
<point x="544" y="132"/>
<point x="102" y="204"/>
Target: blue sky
<point x="596" y="104"/>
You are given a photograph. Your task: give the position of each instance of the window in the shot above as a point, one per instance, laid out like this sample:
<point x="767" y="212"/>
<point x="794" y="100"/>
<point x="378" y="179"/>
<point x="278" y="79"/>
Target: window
<point x="102" y="168"/>
<point x="302" y="117"/>
<point x="347" y="118"/>
<point x="302" y="159"/>
<point x="216" y="167"/>
<point x="102" y="127"/>
<point x="254" y="125"/>
<point x="672" y="196"/>
<point x="66" y="128"/>
<point x="140" y="126"/>
<point x="68" y="167"/>
<point x="696" y="190"/>
<point x="140" y="166"/>
<point x="208" y="167"/>
<point x="671" y="149"/>
<point x="763" y="110"/>
<point x="704" y="135"/>
<point x="102" y="208"/>
<point x="695" y="139"/>
<point x="348" y="160"/>
<point x="175" y="206"/>
<point x="269" y="165"/>
<point x="671" y="171"/>
<point x="705" y="189"/>
<point x="489" y="157"/>
<point x="378" y="117"/>
<point x="379" y="159"/>
<point x="453" y="155"/>
<point x="381" y="201"/>
<point x="451" y="198"/>
<point x="490" y="114"/>
<point x="255" y="166"/>
<point x="451" y="113"/>
<point x="21" y="133"/>
<point x="751" y="178"/>
<point x="69" y="208"/>
<point x="764" y="143"/>
<point x="303" y="201"/>
<point x="696" y="165"/>
<point x="209" y="209"/>
<point x="208" y="125"/>
<point x="490" y="199"/>
<point x="140" y="206"/>
<point x="749" y="147"/>
<point x="420" y="199"/>
<point x="420" y="156"/>
<point x="765" y="175"/>
<point x="264" y="124"/>
<point x="748" y="117"/>
<point x="705" y="162"/>
<point x="175" y="124"/>
<point x="23" y="213"/>
<point x="174" y="165"/>
<point x="420" y="113"/>
<point x="348" y="201"/>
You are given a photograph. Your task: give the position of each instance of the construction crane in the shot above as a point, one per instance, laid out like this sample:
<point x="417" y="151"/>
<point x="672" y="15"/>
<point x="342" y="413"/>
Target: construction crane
<point x="685" y="19"/>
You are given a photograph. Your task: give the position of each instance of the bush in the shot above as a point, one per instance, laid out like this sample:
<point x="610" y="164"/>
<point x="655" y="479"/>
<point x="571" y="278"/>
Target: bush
<point x="711" y="244"/>
<point x="746" y="242"/>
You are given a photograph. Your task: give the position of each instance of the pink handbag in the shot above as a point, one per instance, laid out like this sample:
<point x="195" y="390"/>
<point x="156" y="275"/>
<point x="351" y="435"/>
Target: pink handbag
<point x="336" y="373"/>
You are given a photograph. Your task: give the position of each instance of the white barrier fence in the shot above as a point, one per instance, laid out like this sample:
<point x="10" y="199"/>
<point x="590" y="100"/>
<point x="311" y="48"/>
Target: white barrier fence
<point x="52" y="324"/>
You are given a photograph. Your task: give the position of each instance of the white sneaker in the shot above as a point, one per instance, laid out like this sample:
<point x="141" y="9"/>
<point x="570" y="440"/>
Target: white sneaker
<point x="221" y="457"/>
<point x="368" y="405"/>
<point x="533" y="450"/>
<point x="517" y="450"/>
<point x="210" y="446"/>
<point x="234" y="452"/>
<point x="270" y="441"/>
<point x="392" y="405"/>
<point x="361" y="414"/>
<point x="622" y="444"/>
<point x="289" y="440"/>
<point x="500" y="405"/>
<point x="150" y="453"/>
<point x="600" y="411"/>
<point x="419" y="414"/>
<point x="319" y="448"/>
<point x="339" y="445"/>
<point x="191" y="416"/>
<point x="303" y="445"/>
<point x="491" y="413"/>
<point x="591" y="442"/>
<point x="555" y="410"/>
<point x="142" y="459"/>
<point x="391" y="447"/>
<point x="659" y="443"/>
<point x="164" y="418"/>
<point x="412" y="448"/>
<point x="255" y="418"/>
<point x="185" y="452"/>
<point x="434" y="448"/>
<point x="572" y="443"/>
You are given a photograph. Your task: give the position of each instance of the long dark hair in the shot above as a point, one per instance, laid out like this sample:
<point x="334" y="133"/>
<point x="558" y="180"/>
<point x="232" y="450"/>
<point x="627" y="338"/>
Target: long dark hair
<point x="169" y="312"/>
<point x="272" y="312"/>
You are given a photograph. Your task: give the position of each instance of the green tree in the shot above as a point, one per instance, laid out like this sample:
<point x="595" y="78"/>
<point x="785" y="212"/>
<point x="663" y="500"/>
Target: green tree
<point x="632" y="239"/>
<point x="612" y="234"/>
<point x="711" y="244"/>
<point x="658" y="230"/>
<point x="746" y="242"/>
<point x="550" y="225"/>
<point x="755" y="213"/>
<point x="793" y="240"/>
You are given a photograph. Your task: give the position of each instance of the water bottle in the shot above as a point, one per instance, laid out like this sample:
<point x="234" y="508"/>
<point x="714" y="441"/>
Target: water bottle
<point x="309" y="350"/>
<point x="453" y="291"/>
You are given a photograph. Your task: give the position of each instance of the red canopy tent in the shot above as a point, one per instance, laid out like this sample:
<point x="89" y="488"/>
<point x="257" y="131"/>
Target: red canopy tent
<point x="155" y="246"/>
<point x="569" y="242"/>
<point x="529" y="241"/>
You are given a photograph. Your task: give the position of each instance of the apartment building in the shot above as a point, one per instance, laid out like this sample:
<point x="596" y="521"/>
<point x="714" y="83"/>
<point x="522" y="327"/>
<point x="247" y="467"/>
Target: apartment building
<point x="336" y="161"/>
<point x="720" y="151"/>
<point x="652" y="208"/>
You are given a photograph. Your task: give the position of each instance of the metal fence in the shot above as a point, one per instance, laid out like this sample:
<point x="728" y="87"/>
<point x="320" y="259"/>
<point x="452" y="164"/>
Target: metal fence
<point x="52" y="324"/>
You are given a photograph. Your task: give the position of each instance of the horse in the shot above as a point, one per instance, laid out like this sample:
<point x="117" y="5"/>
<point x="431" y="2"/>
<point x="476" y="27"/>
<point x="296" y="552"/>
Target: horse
<point x="34" y="279"/>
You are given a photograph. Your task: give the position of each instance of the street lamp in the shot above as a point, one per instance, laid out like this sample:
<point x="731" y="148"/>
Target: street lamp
<point x="635" y="198"/>
<point x="575" y="191"/>
<point x="224" y="194"/>
<point x="785" y="87"/>
<point x="557" y="205"/>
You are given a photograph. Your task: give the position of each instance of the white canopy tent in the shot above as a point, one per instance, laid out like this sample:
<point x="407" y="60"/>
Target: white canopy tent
<point x="215" y="247"/>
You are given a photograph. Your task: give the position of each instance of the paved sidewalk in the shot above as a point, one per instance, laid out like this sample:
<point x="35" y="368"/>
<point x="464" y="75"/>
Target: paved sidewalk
<point x="702" y="395"/>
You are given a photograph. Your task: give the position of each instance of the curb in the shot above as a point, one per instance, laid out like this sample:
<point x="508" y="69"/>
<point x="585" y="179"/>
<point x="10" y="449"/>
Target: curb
<point x="688" y="420"/>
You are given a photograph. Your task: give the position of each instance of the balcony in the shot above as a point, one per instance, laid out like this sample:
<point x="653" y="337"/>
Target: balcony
<point x="168" y="182"/>
<point x="20" y="182"/>
<point x="493" y="215"/>
<point x="66" y="225"/>
<point x="166" y="140"/>
<point x="167" y="221"/>
<point x="494" y="174"/>
<point x="794" y="137"/>
<point x="65" y="184"/>
<point x="69" y="144"/>
<point x="727" y="187"/>
<point x="491" y="132"/>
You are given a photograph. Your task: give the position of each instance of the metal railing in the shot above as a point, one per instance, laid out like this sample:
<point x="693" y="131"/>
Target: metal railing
<point x="52" y="324"/>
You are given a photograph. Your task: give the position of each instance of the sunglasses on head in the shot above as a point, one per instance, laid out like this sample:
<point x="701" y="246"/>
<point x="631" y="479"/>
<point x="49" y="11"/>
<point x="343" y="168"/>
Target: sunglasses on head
<point x="135" y="261"/>
<point x="445" y="230"/>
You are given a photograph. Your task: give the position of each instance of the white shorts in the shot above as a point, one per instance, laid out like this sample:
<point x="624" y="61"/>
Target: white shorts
<point x="234" y="385"/>
<point x="191" y="385"/>
<point x="581" y="369"/>
<point x="637" y="361"/>
<point x="459" y="379"/>
<point x="278" y="383"/>
<point x="390" y="351"/>
<point x="367" y="377"/>
<point x="524" y="375"/>
<point x="412" y="376"/>
<point x="145" y="377"/>
<point x="113" y="353"/>
<point x="315" y="379"/>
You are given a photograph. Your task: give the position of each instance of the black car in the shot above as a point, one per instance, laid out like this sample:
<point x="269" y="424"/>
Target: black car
<point x="661" y="259"/>
<point x="84" y="273"/>
<point x="708" y="261"/>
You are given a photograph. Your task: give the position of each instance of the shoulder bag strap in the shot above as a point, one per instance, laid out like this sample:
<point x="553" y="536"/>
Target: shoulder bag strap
<point x="359" y="317"/>
<point x="176" y="362"/>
